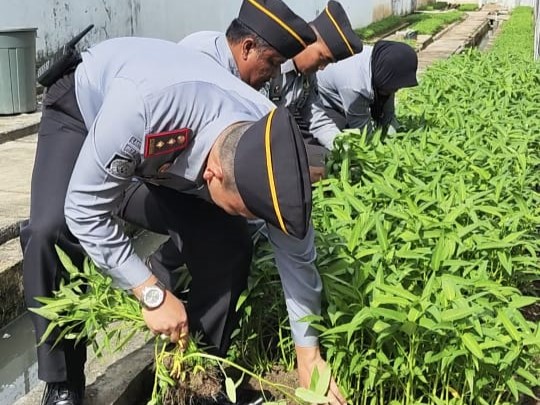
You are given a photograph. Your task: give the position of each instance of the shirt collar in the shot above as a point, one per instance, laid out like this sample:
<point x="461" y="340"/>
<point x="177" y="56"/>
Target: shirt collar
<point x="226" y="55"/>
<point x="288" y="66"/>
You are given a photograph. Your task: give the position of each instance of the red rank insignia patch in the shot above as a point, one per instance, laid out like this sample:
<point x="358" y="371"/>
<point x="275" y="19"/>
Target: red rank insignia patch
<point x="166" y="142"/>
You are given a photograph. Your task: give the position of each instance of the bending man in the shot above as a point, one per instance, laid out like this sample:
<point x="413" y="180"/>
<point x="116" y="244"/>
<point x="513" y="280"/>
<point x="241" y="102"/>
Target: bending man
<point x="207" y="150"/>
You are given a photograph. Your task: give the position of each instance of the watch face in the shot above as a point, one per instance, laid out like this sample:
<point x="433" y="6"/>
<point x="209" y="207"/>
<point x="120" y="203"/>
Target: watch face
<point x="153" y="297"/>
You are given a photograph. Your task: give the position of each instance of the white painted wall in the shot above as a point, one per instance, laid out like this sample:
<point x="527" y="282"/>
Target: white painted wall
<point x="181" y="17"/>
<point x="58" y="20"/>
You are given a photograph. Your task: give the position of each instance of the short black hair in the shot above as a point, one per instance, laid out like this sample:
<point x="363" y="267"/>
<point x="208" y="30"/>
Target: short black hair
<point x="238" y="31"/>
<point x="227" y="151"/>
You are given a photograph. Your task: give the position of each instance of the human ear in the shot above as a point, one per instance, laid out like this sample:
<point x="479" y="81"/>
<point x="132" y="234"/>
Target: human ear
<point x="212" y="171"/>
<point x="248" y="45"/>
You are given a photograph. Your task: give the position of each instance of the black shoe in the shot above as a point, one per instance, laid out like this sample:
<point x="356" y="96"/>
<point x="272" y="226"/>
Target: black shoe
<point x="63" y="394"/>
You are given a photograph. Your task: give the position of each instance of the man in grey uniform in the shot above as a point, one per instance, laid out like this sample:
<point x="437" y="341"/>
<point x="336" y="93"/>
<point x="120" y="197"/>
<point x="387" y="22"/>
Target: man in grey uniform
<point x="256" y="43"/>
<point x="294" y="256"/>
<point x="296" y="87"/>
<point x="359" y="92"/>
<point x="265" y="34"/>
<point x="187" y="135"/>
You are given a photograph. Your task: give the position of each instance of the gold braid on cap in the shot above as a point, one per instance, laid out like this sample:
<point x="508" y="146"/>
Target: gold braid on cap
<point x="270" y="171"/>
<point x="343" y="37"/>
<point x="280" y="22"/>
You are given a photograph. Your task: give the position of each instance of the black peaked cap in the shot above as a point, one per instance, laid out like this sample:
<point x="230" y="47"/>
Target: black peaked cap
<point x="272" y="173"/>
<point x="278" y="25"/>
<point x="335" y="29"/>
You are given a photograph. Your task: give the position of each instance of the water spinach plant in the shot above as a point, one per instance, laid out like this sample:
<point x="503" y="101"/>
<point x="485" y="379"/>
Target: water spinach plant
<point x="428" y="242"/>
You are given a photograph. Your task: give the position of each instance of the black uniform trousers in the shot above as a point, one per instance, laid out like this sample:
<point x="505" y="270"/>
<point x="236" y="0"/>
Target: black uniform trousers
<point x="217" y="247"/>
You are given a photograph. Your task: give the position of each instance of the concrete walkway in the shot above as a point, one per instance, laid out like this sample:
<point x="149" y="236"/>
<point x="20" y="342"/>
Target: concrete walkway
<point x="16" y="157"/>
<point x="455" y="39"/>
<point x="16" y="126"/>
<point x="17" y="160"/>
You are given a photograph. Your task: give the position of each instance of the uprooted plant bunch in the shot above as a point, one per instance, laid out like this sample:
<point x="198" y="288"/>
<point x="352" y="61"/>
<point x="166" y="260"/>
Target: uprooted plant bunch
<point x="87" y="308"/>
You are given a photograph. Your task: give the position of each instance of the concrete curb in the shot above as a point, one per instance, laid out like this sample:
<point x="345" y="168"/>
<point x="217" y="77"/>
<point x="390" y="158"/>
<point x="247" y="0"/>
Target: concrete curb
<point x="11" y="286"/>
<point x="9" y="232"/>
<point x="128" y="381"/>
<point x="13" y="134"/>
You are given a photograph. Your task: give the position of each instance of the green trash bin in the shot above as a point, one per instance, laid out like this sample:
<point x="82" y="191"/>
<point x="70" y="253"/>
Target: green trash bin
<point x="17" y="70"/>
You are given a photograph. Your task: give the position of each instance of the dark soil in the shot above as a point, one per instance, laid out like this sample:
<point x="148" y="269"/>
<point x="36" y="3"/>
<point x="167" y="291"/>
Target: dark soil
<point x="276" y="376"/>
<point x="532" y="312"/>
<point x="199" y="388"/>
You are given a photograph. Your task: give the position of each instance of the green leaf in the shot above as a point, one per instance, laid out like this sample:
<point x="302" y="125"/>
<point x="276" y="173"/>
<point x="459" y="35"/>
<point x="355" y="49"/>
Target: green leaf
<point x="528" y="376"/>
<point x="324" y="381"/>
<point x="472" y="345"/>
<point x="66" y="261"/>
<point x="314" y="379"/>
<point x="398" y="291"/>
<point x="456" y="314"/>
<point x="509" y="326"/>
<point x="521" y="301"/>
<point x="243" y="297"/>
<point x="381" y="234"/>
<point x="45" y="313"/>
<point x="310" y="396"/>
<point x="230" y="389"/>
<point x="512" y="386"/>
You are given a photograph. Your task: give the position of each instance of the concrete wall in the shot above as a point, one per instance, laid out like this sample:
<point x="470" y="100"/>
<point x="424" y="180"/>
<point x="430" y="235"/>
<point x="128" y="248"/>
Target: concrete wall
<point x="181" y="18"/>
<point x="58" y="20"/>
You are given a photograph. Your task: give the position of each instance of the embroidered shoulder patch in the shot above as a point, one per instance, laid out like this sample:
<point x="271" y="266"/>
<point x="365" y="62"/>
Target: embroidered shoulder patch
<point x="166" y="142"/>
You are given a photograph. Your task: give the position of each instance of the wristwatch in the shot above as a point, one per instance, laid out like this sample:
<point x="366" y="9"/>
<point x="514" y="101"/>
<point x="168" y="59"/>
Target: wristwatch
<point x="152" y="296"/>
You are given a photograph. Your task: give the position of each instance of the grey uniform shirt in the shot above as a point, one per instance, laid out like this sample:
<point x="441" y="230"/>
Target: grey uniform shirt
<point x="213" y="44"/>
<point x="345" y="87"/>
<point x="295" y="259"/>
<point x="132" y="93"/>
<point x="299" y="93"/>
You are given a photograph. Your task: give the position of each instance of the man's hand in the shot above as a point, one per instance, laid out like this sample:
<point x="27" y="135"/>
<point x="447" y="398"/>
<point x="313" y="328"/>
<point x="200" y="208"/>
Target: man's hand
<point x="309" y="358"/>
<point x="316" y="173"/>
<point x="170" y="318"/>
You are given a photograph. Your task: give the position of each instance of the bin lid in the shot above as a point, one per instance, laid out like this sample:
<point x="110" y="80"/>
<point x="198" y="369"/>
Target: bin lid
<point x="16" y="29"/>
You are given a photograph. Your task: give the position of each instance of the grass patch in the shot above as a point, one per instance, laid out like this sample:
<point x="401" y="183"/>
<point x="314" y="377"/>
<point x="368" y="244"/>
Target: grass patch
<point x="429" y="24"/>
<point x="438" y="5"/>
<point x="468" y="7"/>
<point x="380" y="27"/>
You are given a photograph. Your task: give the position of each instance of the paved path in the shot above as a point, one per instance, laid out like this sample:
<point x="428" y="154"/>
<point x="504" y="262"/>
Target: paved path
<point x="454" y="40"/>
<point x="16" y="126"/>
<point x="17" y="160"/>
